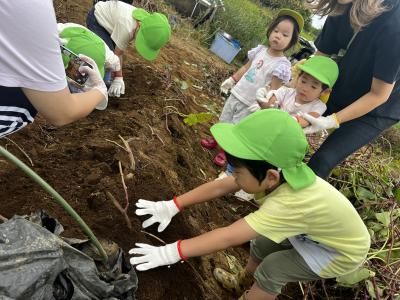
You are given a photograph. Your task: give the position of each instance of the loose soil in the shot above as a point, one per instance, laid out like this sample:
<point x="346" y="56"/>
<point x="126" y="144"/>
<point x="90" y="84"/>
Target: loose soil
<point x="81" y="162"/>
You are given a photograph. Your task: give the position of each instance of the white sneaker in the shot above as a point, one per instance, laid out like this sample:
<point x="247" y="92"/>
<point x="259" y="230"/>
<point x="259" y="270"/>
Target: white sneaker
<point x="242" y="195"/>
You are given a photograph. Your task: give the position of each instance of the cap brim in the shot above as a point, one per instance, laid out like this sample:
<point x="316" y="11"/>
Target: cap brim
<point x="295" y="15"/>
<point x="142" y="49"/>
<point x="230" y="142"/>
<point x="314" y="73"/>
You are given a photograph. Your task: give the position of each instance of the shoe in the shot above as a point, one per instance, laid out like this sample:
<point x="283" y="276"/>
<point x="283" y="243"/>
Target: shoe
<point x="236" y="283"/>
<point x="209" y="143"/>
<point x="220" y="159"/>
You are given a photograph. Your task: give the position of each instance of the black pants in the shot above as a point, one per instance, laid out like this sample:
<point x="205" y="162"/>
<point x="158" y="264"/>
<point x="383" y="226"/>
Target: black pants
<point x="94" y="26"/>
<point x="344" y="141"/>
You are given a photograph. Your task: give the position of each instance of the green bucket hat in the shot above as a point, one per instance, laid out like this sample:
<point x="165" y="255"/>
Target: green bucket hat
<point x="322" y="68"/>
<point x="270" y="135"/>
<point x="154" y="32"/>
<point x="294" y="14"/>
<point x="82" y="41"/>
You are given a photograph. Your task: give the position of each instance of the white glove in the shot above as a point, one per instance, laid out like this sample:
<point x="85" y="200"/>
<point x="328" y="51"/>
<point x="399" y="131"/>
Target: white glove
<point x="94" y="81"/>
<point x="263" y="95"/>
<point x="319" y="124"/>
<point x="117" y="87"/>
<point x="153" y="257"/>
<point x="161" y="212"/>
<point x="254" y="107"/>
<point x="227" y="85"/>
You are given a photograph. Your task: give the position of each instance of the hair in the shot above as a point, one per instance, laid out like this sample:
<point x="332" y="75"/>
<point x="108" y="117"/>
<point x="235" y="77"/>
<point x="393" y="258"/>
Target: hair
<point x="257" y="168"/>
<point x="362" y="12"/>
<point x="296" y="30"/>
<point x="324" y="86"/>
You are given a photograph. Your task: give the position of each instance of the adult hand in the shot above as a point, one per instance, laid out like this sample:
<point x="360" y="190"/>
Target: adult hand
<point x="117" y="87"/>
<point x="161" y="212"/>
<point x="94" y="81"/>
<point x="153" y="257"/>
<point x="320" y="123"/>
<point x="227" y="85"/>
<point x="254" y="107"/>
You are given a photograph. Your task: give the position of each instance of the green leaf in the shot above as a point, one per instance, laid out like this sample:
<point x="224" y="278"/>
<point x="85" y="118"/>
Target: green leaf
<point x="200" y="118"/>
<point x="233" y="263"/>
<point x="364" y="194"/>
<point x="397" y="194"/>
<point x="371" y="290"/>
<point x="355" y="277"/>
<point x="384" y="218"/>
<point x="184" y="85"/>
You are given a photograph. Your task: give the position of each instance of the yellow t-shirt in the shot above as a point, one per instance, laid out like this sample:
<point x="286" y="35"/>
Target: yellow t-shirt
<point x="321" y="224"/>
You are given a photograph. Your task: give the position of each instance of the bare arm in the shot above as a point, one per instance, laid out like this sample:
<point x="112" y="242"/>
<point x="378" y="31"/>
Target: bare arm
<point x="239" y="73"/>
<point x="208" y="191"/>
<point x="379" y="93"/>
<point x="118" y="52"/>
<point x="276" y="83"/>
<point x="218" y="239"/>
<point x="62" y="107"/>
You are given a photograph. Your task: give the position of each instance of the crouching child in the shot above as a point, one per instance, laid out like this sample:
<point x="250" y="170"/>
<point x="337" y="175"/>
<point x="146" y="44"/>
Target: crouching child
<point x="304" y="229"/>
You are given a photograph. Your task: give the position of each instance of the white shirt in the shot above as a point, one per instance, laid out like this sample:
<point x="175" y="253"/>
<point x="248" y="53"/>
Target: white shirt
<point x="263" y="68"/>
<point x="286" y="100"/>
<point x="30" y="55"/>
<point x="116" y="17"/>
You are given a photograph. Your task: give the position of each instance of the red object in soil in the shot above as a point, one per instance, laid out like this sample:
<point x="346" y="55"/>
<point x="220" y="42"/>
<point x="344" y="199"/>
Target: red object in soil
<point x="220" y="159"/>
<point x="209" y="143"/>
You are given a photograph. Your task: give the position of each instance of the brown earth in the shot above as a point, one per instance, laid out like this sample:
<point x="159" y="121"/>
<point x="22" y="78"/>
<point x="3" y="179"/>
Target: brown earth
<point x="81" y="162"/>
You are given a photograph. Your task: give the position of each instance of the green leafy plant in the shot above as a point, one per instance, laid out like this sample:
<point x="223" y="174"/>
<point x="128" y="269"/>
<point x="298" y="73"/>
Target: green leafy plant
<point x="200" y="118"/>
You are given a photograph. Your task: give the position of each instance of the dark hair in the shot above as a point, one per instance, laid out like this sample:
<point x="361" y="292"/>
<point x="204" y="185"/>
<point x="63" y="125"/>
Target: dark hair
<point x="257" y="168"/>
<point x="324" y="86"/>
<point x="296" y="30"/>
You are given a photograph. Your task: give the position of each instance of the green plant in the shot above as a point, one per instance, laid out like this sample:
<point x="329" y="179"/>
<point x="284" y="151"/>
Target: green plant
<point x="199" y="118"/>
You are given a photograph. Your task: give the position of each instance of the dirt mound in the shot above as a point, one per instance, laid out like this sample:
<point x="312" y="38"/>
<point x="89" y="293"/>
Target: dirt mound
<point x="81" y="162"/>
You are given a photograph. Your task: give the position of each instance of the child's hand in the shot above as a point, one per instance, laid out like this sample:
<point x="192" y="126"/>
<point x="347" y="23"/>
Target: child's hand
<point x="161" y="212"/>
<point x="153" y="257"/>
<point x="263" y="94"/>
<point x="227" y="85"/>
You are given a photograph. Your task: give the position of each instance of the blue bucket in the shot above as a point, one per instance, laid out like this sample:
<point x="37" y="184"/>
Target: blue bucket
<point x="225" y="49"/>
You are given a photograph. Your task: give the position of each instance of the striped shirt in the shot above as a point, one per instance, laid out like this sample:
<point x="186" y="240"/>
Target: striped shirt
<point x="15" y="110"/>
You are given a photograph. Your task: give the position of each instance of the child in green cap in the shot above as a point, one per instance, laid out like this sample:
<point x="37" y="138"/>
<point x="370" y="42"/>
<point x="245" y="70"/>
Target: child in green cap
<point x="304" y="229"/>
<point x="317" y="76"/>
<point x="118" y="23"/>
<point x="81" y="40"/>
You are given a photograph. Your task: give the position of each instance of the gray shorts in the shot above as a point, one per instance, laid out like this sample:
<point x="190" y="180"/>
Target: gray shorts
<point x="279" y="264"/>
<point x="234" y="110"/>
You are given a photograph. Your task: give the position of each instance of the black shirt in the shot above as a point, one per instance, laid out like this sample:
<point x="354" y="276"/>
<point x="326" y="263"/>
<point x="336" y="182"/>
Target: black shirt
<point x="375" y="52"/>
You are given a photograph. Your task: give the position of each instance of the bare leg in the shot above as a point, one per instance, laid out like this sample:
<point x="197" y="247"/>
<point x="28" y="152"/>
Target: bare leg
<point x="252" y="265"/>
<point x="256" y="293"/>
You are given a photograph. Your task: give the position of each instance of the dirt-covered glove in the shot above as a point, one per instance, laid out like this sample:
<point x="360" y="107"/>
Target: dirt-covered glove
<point x="94" y="81"/>
<point x="161" y="212"/>
<point x="254" y="107"/>
<point x="320" y="123"/>
<point x="227" y="85"/>
<point x="117" y="87"/>
<point x="263" y="95"/>
<point x="153" y="257"/>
